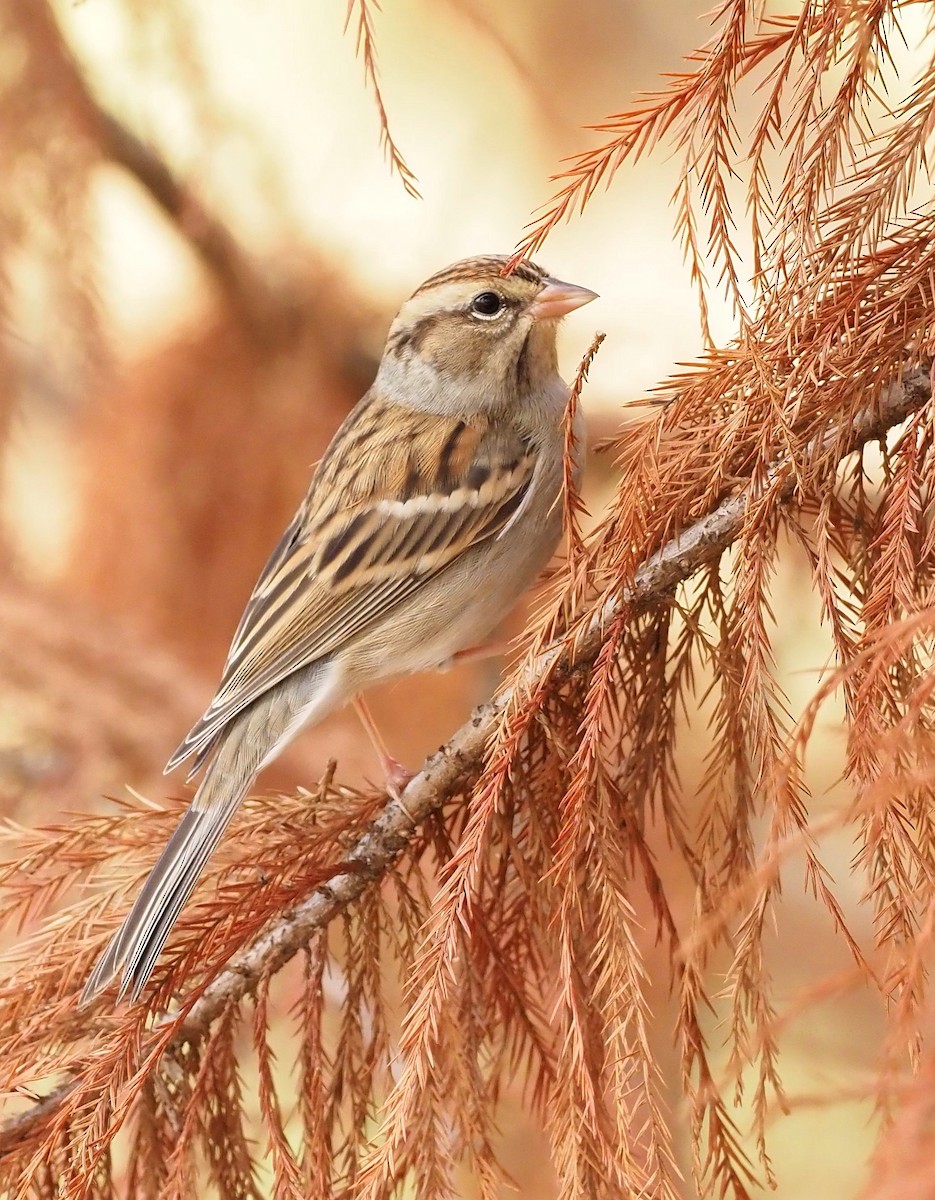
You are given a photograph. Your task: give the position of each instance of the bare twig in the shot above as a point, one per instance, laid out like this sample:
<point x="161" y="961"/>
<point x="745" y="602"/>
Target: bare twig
<point x="261" y="309"/>
<point x="452" y="769"/>
<point x="547" y="99"/>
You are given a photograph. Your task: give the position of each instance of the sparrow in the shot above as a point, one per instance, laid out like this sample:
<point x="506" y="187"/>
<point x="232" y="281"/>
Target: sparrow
<point x="434" y="507"/>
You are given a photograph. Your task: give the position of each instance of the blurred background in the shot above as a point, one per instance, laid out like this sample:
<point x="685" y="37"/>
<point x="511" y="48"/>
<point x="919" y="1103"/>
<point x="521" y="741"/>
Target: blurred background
<point x="201" y="246"/>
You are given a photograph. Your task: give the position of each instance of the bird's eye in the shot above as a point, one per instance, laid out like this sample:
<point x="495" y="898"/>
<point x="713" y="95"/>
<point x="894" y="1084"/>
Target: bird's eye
<point x="487" y="304"/>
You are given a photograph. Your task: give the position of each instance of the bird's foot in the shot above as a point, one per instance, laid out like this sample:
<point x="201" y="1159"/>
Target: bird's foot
<point x="395" y="775"/>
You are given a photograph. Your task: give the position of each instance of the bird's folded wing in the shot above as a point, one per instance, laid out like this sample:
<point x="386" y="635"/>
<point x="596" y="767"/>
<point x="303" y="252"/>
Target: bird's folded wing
<point x="352" y="553"/>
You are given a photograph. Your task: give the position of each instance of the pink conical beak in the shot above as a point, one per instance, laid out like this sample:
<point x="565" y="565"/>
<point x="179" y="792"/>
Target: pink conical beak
<point x="558" y="298"/>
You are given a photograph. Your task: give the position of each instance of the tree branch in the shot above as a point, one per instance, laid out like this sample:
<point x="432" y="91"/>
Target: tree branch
<point x="264" y="311"/>
<point x="451" y="769"/>
<point x="445" y="773"/>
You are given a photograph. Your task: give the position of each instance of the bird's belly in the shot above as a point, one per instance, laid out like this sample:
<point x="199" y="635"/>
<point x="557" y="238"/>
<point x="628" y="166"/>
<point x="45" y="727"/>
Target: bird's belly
<point x="460" y="608"/>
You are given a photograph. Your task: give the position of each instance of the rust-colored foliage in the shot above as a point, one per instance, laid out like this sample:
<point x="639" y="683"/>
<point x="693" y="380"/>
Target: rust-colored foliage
<point x="488" y="930"/>
<point x="360" y="18"/>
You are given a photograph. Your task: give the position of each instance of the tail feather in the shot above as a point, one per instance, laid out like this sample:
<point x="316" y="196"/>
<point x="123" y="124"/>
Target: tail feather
<point x="251" y="740"/>
<point x="140" y="939"/>
<point x="180" y="883"/>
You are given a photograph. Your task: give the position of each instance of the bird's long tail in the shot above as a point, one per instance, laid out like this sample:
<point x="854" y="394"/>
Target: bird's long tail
<point x="253" y="737"/>
<point x="140" y="939"/>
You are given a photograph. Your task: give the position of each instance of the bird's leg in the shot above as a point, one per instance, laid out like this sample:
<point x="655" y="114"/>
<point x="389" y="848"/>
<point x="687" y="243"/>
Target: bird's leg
<point x="397" y="776"/>
<point x="476" y="654"/>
